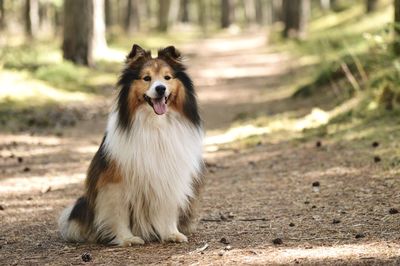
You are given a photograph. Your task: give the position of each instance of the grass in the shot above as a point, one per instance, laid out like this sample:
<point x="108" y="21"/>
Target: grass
<point x="350" y="52"/>
<point x="348" y="37"/>
<point x="363" y="44"/>
<point x="348" y="57"/>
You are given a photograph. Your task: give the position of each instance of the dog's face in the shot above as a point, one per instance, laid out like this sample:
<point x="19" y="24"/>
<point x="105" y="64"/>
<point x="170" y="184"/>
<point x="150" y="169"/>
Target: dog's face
<point x="155" y="83"/>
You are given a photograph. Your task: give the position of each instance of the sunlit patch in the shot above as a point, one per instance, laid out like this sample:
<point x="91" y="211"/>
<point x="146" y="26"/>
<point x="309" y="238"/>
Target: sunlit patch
<point x="27" y="139"/>
<point x="236" y="67"/>
<point x="88" y="149"/>
<point x="236" y="133"/>
<point x="372" y="106"/>
<point x="34" y="210"/>
<point x="17" y="86"/>
<point x="228" y="45"/>
<point x="316" y="118"/>
<point x="21" y="184"/>
<point x="352" y="253"/>
<point x="110" y="54"/>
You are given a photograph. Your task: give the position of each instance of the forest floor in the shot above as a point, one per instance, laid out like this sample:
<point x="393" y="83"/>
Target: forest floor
<point x="273" y="194"/>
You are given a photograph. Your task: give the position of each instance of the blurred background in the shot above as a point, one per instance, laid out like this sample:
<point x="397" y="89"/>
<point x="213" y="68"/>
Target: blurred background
<point x="67" y="54"/>
<point x="300" y="101"/>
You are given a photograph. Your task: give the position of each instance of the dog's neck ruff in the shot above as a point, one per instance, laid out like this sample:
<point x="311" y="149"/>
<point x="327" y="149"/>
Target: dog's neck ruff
<point x="155" y="143"/>
<point x="159" y="157"/>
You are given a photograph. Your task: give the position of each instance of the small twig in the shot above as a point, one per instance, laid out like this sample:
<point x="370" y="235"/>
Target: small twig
<point x="355" y="225"/>
<point x="336" y="89"/>
<point x="367" y="258"/>
<point x="318" y="238"/>
<point x="229" y="220"/>
<point x="211" y="220"/>
<point x="350" y="77"/>
<point x="359" y="66"/>
<point x="252" y="219"/>
<point x="201" y="249"/>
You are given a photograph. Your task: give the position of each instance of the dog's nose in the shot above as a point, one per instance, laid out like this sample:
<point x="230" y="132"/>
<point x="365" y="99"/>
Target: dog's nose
<point x="160" y="89"/>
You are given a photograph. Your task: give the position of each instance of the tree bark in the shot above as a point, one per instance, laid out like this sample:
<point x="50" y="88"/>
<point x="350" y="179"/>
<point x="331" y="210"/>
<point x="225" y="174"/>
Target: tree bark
<point x="99" y="27"/>
<point x="397" y="27"/>
<point x="108" y="10"/>
<point x="250" y="11"/>
<point x="277" y="10"/>
<point x="184" y="17"/>
<point x="173" y="14"/>
<point x="2" y="15"/>
<point x="46" y="17"/>
<point x="31" y="17"/>
<point x="269" y="12"/>
<point x="295" y="15"/>
<point x="132" y="20"/>
<point x="325" y="4"/>
<point x="78" y="31"/>
<point x="226" y="13"/>
<point x="260" y="14"/>
<point x="202" y="14"/>
<point x="371" y="5"/>
<point x="163" y="15"/>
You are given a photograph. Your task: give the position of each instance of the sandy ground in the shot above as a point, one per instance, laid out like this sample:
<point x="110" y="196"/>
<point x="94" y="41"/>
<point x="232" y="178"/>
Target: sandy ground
<point x="277" y="202"/>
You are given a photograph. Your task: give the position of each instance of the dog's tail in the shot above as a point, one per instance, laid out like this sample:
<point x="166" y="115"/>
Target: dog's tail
<point x="74" y="220"/>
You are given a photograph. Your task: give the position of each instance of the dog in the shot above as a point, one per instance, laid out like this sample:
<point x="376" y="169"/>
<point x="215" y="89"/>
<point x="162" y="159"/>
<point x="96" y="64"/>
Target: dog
<point x="143" y="183"/>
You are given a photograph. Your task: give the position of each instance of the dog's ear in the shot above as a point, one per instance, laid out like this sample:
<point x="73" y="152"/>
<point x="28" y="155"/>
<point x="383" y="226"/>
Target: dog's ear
<point x="170" y="52"/>
<point x="172" y="56"/>
<point x="137" y="52"/>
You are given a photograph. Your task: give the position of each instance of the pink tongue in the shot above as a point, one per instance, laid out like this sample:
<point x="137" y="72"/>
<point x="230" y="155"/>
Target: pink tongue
<point x="159" y="106"/>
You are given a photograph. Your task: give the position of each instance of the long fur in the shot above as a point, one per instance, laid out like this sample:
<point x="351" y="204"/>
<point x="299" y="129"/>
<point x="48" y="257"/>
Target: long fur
<point x="144" y="181"/>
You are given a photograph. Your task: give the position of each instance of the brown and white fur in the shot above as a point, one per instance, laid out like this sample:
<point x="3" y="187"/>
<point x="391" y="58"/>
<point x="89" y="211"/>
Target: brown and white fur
<point x="143" y="183"/>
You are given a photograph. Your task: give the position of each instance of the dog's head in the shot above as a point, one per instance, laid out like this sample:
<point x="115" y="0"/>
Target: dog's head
<point x="160" y="83"/>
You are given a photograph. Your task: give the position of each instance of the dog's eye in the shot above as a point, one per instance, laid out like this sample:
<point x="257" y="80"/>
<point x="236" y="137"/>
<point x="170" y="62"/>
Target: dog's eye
<point x="167" y="77"/>
<point x="147" y="78"/>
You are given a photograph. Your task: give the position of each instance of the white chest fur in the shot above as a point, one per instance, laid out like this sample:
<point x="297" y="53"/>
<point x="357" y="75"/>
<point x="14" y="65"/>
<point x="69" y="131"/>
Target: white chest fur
<point x="160" y="156"/>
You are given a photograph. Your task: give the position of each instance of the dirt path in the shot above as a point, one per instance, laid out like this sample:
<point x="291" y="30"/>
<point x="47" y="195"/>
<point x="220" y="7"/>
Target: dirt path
<point x="252" y="195"/>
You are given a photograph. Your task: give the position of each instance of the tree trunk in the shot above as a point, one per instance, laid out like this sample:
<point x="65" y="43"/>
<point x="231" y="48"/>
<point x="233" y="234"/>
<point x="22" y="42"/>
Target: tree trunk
<point x="371" y="5"/>
<point x="58" y="20"/>
<point x="202" y="15"/>
<point x="78" y="31"/>
<point x="163" y="15"/>
<point x="2" y="14"/>
<point x="184" y="17"/>
<point x="226" y="13"/>
<point x="108" y="10"/>
<point x="325" y="4"/>
<point x="99" y="27"/>
<point x="260" y="14"/>
<point x="31" y="17"/>
<point x="249" y="11"/>
<point x="173" y="12"/>
<point x="132" y="20"/>
<point x="295" y="15"/>
<point x="267" y="12"/>
<point x="45" y="15"/>
<point x="397" y="27"/>
<point x="277" y="10"/>
<point x="147" y="10"/>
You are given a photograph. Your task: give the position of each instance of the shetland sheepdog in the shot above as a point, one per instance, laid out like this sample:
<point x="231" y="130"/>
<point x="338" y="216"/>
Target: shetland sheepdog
<point x="144" y="181"/>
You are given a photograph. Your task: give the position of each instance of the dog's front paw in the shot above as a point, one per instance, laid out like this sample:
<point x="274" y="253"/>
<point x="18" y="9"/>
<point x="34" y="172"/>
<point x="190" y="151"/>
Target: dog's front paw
<point x="176" y="238"/>
<point x="131" y="241"/>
